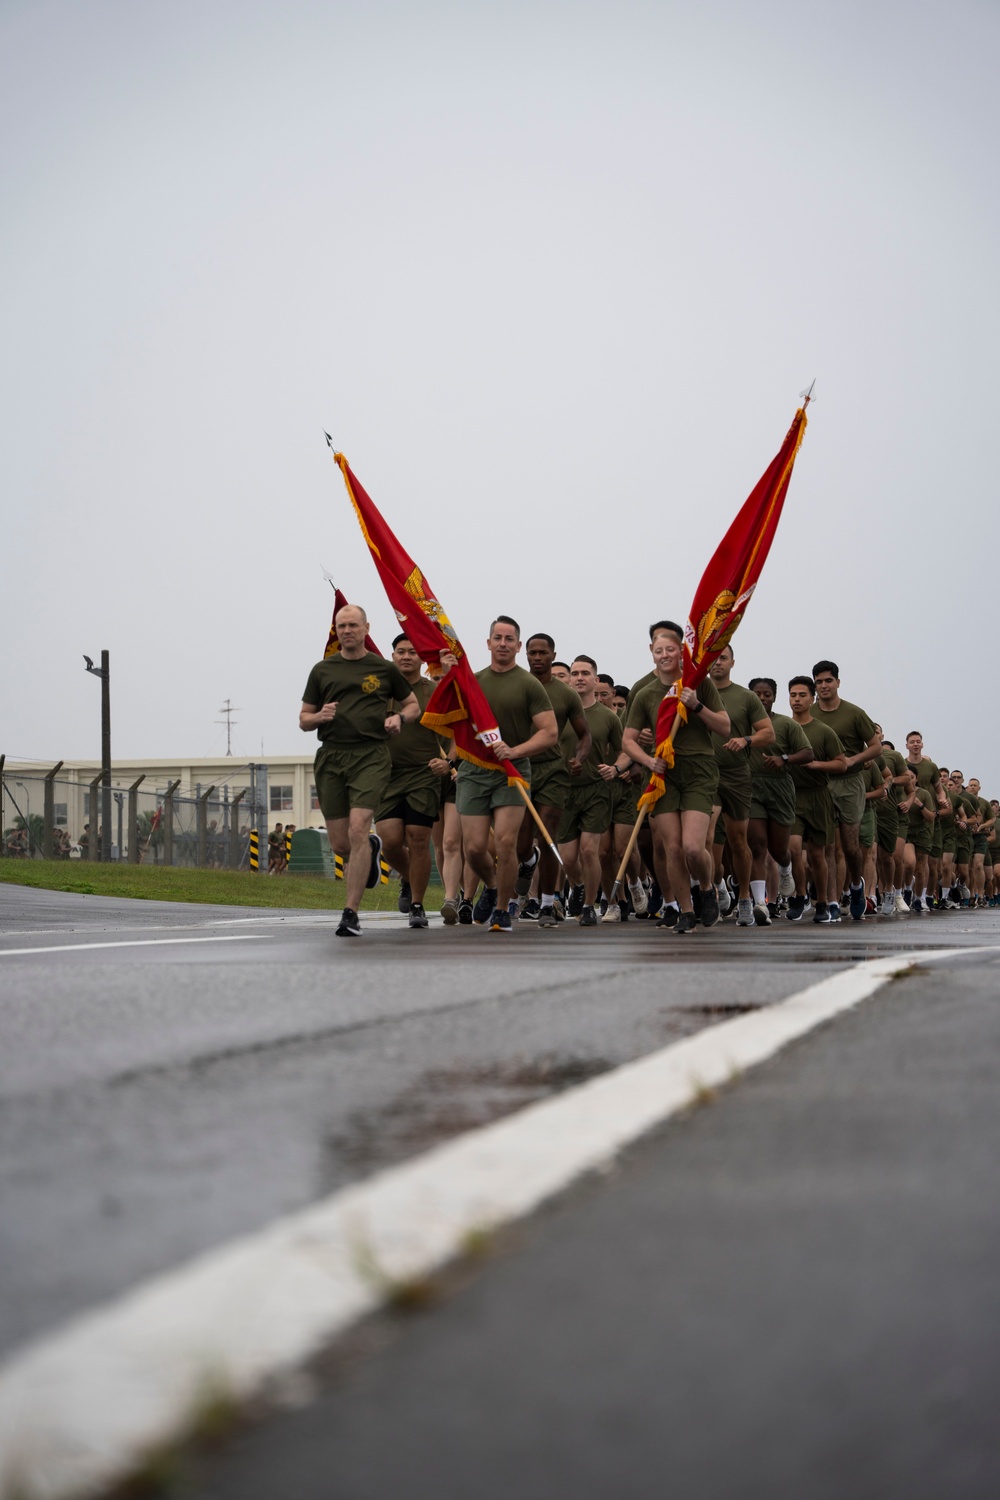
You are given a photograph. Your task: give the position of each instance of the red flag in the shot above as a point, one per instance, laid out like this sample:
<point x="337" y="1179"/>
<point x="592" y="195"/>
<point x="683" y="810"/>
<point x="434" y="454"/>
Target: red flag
<point x="333" y="644"/>
<point x="726" y="588"/>
<point x="457" y="707"/>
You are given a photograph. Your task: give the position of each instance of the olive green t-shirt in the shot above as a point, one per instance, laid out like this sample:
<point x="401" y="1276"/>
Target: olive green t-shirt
<point x="826" y="746"/>
<point x="927" y="774"/>
<point x="606" y="740"/>
<point x="850" y="724"/>
<point x="565" y="704"/>
<point x="637" y="687"/>
<point x="415" y="745"/>
<point x="925" y="799"/>
<point x="873" y="778"/>
<point x="692" y="738"/>
<point x="788" y="738"/>
<point x="744" y="709"/>
<point x="895" y="762"/>
<point x="362" y="690"/>
<point x="515" y="697"/>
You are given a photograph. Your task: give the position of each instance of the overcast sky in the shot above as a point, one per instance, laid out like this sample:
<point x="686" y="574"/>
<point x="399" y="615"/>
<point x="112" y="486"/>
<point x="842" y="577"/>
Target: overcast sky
<point x="553" y="276"/>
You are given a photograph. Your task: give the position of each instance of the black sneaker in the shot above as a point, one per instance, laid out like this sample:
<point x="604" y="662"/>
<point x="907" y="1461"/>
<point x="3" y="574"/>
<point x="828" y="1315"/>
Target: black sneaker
<point x="349" y="924"/>
<point x="822" y="912"/>
<point x="531" y="910"/>
<point x="796" y="908"/>
<point x="668" y="917"/>
<point x="501" y="922"/>
<point x="709" y="906"/>
<point x="772" y="910"/>
<point x="485" y="906"/>
<point x="575" y="906"/>
<point x="547" y="917"/>
<point x="405" y="898"/>
<point x="588" y="916"/>
<point x="418" y="917"/>
<point x="375" y="868"/>
<point x="464" y="913"/>
<point x="686" y="922"/>
<point x="525" y="871"/>
<point x="697" y="896"/>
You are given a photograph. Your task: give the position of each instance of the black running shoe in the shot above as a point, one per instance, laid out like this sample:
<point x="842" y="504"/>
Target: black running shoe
<point x="709" y="906"/>
<point x="464" y="913"/>
<point x="418" y="917"/>
<point x="668" y="917"/>
<point x="686" y="922"/>
<point x="796" y="908"/>
<point x="349" y="924"/>
<point x="501" y="922"/>
<point x="525" y="871"/>
<point x="531" y="910"/>
<point x="697" y="896"/>
<point x="375" y="868"/>
<point x="405" y="897"/>
<point x="575" y="906"/>
<point x="485" y="906"/>
<point x="588" y="917"/>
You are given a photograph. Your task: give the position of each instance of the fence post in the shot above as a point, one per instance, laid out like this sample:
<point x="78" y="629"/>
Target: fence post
<point x="234" y="831"/>
<point x="49" y="813"/>
<point x="201" y="814"/>
<point x="168" y="821"/>
<point x="93" y="846"/>
<point x="133" y="823"/>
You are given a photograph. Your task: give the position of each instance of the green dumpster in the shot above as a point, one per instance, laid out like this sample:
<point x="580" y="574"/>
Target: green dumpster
<point x="311" y="853"/>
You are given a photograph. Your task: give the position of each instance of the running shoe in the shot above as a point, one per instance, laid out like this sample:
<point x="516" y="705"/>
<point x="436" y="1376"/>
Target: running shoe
<point x="916" y="907"/>
<point x="774" y="910"/>
<point x="797" y="908"/>
<point x="575" y="906"/>
<point x="640" y="902"/>
<point x="547" y="917"/>
<point x="899" y="903"/>
<point x="668" y="917"/>
<point x="724" y="899"/>
<point x="485" y="906"/>
<point x="449" y="911"/>
<point x="418" y="917"/>
<point x="375" y="868"/>
<point x="531" y="910"/>
<point x="857" y="905"/>
<point x="501" y="922"/>
<point x="834" y="910"/>
<point x="709" y="906"/>
<point x="697" y="895"/>
<point x="686" y="922"/>
<point x="888" y="905"/>
<point x="822" y="912"/>
<point x="559" y="909"/>
<point x="613" y="913"/>
<point x="465" y="913"/>
<point x="405" y="896"/>
<point x="744" y="912"/>
<point x="588" y="916"/>
<point x="349" y="924"/>
<point x="525" y="871"/>
<point x="761" y="915"/>
<point x="786" y="883"/>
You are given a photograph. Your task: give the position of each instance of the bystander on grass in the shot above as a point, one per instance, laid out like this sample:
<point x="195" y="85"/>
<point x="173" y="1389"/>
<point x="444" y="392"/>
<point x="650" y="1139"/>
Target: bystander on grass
<point x="205" y="887"/>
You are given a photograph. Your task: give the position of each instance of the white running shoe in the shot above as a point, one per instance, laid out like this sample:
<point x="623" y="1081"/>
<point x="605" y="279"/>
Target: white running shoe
<point x="888" y="905"/>
<point x="725" y="899"/>
<point x="640" y="901"/>
<point x="899" y="904"/>
<point x="744" y="913"/>
<point x="614" y="912"/>
<point x="761" y="915"/>
<point x="786" y="883"/>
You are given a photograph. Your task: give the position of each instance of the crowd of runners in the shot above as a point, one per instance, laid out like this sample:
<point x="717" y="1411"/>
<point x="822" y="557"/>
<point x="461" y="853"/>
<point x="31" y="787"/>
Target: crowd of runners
<point x="810" y="815"/>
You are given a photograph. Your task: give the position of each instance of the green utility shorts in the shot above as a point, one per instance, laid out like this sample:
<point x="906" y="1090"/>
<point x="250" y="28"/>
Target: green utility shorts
<point x="773" y="797"/>
<point x="349" y="776"/>
<point x="413" y="794"/>
<point x="848" y="796"/>
<point x="551" y="783"/>
<point x="478" y="792"/>
<point x="814" y="820"/>
<point x="886" y="825"/>
<point x="735" y="793"/>
<point x="590" y="810"/>
<point x="690" y="786"/>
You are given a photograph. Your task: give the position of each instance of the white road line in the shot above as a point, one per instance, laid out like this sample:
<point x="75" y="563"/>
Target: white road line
<point x="236" y="937"/>
<point x="80" y="1407"/>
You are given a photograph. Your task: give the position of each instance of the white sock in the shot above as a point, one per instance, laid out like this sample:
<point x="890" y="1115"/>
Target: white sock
<point x="945" y="892"/>
<point x="547" y="898"/>
<point x="856" y="885"/>
<point x="671" y="903"/>
<point x="758" y="891"/>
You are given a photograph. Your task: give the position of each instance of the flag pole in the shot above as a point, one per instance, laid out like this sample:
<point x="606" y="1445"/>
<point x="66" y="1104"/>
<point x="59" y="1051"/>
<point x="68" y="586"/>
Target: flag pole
<point x="535" y="814"/>
<point x="634" y="837"/>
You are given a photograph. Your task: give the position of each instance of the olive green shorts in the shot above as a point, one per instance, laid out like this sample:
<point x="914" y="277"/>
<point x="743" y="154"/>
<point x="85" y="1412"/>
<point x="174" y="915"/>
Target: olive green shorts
<point x="447" y="789"/>
<point x="979" y="843"/>
<point x="735" y="793"/>
<point x="412" y="790"/>
<point x="625" y="801"/>
<point x="773" y="797"/>
<point x="848" y="796"/>
<point x="920" y="835"/>
<point x="937" y="842"/>
<point x="351" y="775"/>
<point x="814" y="820"/>
<point x="691" y="785"/>
<point x="867" y="826"/>
<point x="886" y="826"/>
<point x="590" y="810"/>
<point x="949" y="842"/>
<point x="963" y="848"/>
<point x="478" y="791"/>
<point x="551" y="783"/>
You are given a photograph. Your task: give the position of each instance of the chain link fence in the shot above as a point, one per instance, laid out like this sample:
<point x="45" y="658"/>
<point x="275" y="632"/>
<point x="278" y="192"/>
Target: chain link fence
<point x="44" y="816"/>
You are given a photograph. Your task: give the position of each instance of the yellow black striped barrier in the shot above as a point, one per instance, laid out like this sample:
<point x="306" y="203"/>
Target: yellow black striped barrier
<point x="384" y="869"/>
<point x="338" y="866"/>
<point x="254" y="850"/>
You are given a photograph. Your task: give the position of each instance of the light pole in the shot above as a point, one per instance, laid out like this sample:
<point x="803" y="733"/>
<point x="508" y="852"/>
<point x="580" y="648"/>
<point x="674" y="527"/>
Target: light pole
<point x="27" y="812"/>
<point x="104" y="673"/>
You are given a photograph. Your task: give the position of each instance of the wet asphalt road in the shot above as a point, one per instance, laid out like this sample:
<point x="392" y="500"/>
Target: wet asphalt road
<point x="159" y="1099"/>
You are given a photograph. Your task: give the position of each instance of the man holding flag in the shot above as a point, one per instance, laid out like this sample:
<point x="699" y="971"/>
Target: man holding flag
<point x="682" y="813"/>
<point x="527" y="725"/>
